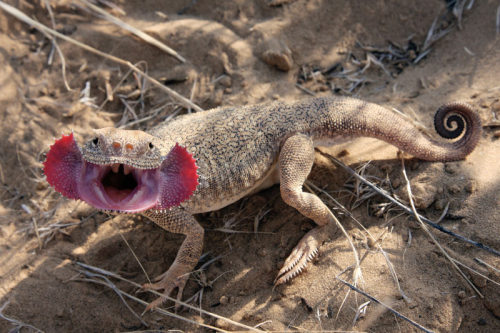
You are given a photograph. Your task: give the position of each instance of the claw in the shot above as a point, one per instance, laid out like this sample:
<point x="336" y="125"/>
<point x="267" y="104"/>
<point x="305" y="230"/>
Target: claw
<point x="304" y="252"/>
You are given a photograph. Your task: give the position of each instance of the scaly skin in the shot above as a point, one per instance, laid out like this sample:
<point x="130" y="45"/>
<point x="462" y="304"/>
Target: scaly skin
<point x="239" y="151"/>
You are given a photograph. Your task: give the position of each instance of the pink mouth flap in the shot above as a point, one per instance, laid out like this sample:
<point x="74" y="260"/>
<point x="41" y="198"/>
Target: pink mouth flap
<point x="63" y="165"/>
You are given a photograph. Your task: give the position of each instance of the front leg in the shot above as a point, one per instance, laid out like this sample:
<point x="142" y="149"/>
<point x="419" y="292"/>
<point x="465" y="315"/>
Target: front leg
<point x="177" y="220"/>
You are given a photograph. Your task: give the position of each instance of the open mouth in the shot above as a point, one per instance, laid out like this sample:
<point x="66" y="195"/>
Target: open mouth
<point x="119" y="182"/>
<point x="119" y="187"/>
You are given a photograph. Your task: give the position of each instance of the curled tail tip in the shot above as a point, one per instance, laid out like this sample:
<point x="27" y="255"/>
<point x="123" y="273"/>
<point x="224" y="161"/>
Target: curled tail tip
<point x="455" y="119"/>
<point x="459" y="120"/>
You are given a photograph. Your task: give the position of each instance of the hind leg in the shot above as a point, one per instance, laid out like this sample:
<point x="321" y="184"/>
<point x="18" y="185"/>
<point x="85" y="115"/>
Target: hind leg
<point x="295" y="163"/>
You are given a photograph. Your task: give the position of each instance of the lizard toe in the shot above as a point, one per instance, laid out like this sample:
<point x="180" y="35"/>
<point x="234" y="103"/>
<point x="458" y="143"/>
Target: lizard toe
<point x="176" y="277"/>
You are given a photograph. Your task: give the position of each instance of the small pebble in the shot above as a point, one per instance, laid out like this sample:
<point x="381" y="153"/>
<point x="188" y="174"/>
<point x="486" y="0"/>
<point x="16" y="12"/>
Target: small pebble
<point x="440" y="204"/>
<point x="223" y="300"/>
<point x="386" y="167"/>
<point x="178" y="74"/>
<point x="451" y="167"/>
<point x="412" y="55"/>
<point x="471" y="186"/>
<point x="278" y="54"/>
<point x="493" y="304"/>
<point x="495" y="107"/>
<point x="424" y="195"/>
<point x="455" y="188"/>
<point x="479" y="281"/>
<point x="225" y="81"/>
<point x="412" y="304"/>
<point x="225" y="325"/>
<point x="274" y="3"/>
<point x="267" y="266"/>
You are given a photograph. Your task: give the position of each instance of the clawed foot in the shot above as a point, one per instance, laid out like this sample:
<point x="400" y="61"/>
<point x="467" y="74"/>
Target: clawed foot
<point x="176" y="277"/>
<point x="304" y="252"/>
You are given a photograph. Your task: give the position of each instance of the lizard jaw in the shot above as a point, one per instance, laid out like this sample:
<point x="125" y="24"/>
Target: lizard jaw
<point x="119" y="187"/>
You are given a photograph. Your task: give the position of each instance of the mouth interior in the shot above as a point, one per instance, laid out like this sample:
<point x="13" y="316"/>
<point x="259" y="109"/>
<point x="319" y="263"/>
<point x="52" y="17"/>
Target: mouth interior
<point x="119" y="185"/>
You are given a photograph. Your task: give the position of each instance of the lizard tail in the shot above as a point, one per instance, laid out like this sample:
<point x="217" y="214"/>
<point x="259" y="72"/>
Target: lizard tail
<point x="454" y="121"/>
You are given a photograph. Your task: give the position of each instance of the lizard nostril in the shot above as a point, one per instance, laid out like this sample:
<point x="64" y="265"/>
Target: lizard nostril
<point x="129" y="146"/>
<point x="116" y="145"/>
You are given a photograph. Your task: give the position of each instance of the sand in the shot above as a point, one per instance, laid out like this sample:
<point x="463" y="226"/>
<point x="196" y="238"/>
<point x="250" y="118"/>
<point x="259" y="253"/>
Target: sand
<point x="243" y="52"/>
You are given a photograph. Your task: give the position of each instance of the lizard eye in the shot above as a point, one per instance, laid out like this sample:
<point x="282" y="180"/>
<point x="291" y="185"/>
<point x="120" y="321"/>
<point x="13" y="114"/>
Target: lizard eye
<point x="151" y="145"/>
<point x="95" y="141"/>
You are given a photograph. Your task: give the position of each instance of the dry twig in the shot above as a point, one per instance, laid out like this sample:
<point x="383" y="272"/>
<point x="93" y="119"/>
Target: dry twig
<point x="134" y="30"/>
<point x="23" y="17"/>
<point x="19" y="324"/>
<point x="424" y="227"/>
<point x="189" y="306"/>
<point x="409" y="210"/>
<point x="420" y="327"/>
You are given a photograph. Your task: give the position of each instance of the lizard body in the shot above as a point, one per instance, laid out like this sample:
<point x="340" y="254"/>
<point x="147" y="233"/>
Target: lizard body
<point x="205" y="161"/>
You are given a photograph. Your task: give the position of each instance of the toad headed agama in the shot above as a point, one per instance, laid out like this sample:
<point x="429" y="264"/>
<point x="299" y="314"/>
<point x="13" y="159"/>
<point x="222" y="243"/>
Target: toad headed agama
<point x="205" y="161"/>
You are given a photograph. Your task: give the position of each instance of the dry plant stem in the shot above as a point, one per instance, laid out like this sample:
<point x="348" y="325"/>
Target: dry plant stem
<point x="498" y="20"/>
<point x="348" y="292"/>
<point x="193" y="90"/>
<point x="189" y="306"/>
<point x="21" y="16"/>
<point x="135" y="257"/>
<point x="135" y="31"/>
<point x="386" y="306"/>
<point x="116" y="87"/>
<point x="19" y="324"/>
<point x="357" y="271"/>
<point x="424" y="227"/>
<point x="476" y="272"/>
<point x="37" y="233"/>
<point x="487" y="265"/>
<point x="304" y="89"/>
<point x="121" y="293"/>
<point x="56" y="46"/>
<point x="111" y="285"/>
<point x="407" y="209"/>
<point x="308" y="184"/>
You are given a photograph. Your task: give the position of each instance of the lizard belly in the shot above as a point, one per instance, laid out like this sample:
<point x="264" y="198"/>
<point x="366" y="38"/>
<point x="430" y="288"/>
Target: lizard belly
<point x="332" y="140"/>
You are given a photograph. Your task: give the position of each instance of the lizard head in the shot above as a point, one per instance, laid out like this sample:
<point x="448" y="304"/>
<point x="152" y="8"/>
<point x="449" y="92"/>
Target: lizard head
<point x="121" y="170"/>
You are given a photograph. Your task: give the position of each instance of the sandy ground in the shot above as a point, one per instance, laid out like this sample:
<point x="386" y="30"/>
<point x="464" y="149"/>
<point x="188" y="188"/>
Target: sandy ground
<point x="233" y="49"/>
